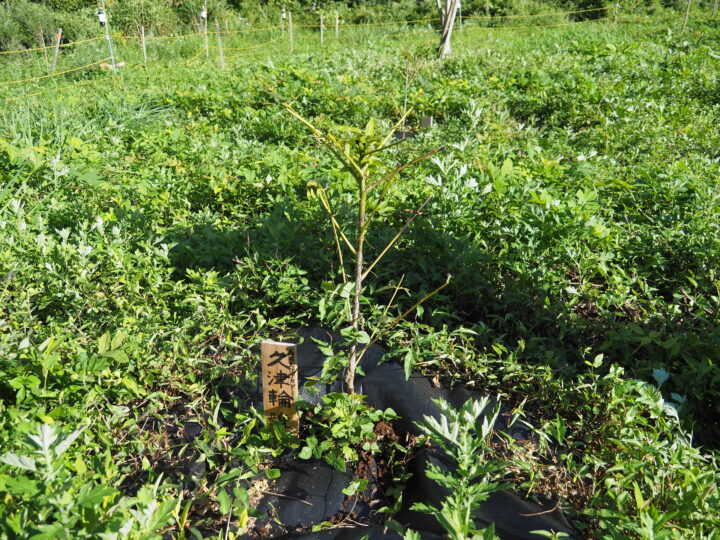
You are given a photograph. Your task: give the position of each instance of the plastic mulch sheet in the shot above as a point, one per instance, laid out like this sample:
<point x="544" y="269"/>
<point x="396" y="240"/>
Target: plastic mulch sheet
<point x="310" y="492"/>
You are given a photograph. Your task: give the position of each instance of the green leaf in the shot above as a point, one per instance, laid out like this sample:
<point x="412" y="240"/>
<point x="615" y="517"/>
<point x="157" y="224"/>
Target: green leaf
<point x="305" y="453"/>
<point x="117" y="340"/>
<point x="104" y="343"/>
<point x="22" y="462"/>
<point x="96" y="496"/>
<point x="224" y="502"/>
<point x="355" y="486"/>
<point x="272" y="474"/>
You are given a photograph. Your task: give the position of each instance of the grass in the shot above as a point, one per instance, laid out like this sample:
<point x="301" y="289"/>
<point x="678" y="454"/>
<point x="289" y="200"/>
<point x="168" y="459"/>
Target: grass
<point x="156" y="226"/>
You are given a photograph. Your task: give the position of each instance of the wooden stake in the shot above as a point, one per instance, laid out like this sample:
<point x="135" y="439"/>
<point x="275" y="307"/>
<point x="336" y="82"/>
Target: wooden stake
<point x="337" y="24"/>
<point x="280" y="382"/>
<point x="58" y="38"/>
<point x="687" y="15"/>
<point x="220" y="48"/>
<point x="322" y="29"/>
<point x="44" y="49"/>
<point x="290" y="32"/>
<point x="142" y="44"/>
<point x="207" y="41"/>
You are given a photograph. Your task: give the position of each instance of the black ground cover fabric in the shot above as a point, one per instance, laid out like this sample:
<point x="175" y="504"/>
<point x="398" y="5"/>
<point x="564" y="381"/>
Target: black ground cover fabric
<point x="310" y="492"/>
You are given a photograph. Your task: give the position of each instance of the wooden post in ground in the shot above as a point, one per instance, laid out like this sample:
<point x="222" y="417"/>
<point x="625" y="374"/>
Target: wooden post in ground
<point x="322" y="29"/>
<point x="337" y="23"/>
<point x="290" y="32"/>
<point x="207" y="41"/>
<point x="615" y="12"/>
<point x="715" y="6"/>
<point x="142" y="44"/>
<point x="220" y="47"/>
<point x="687" y="15"/>
<point x="58" y="38"/>
<point x="44" y="47"/>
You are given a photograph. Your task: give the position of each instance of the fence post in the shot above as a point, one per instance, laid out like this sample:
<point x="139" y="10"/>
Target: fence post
<point x="207" y="41"/>
<point x="687" y="15"/>
<point x="337" y="24"/>
<point x="290" y="32"/>
<point x="44" y="48"/>
<point x="715" y="6"/>
<point x="58" y="38"/>
<point x="220" y="48"/>
<point x="282" y="22"/>
<point x="106" y="24"/>
<point x="142" y="44"/>
<point x="615" y="12"/>
<point x="322" y="29"/>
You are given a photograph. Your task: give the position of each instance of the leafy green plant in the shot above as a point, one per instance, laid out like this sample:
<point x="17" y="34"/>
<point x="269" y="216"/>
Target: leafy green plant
<point x="358" y="151"/>
<point x="464" y="435"/>
<point x="48" y="495"/>
<point x="340" y="426"/>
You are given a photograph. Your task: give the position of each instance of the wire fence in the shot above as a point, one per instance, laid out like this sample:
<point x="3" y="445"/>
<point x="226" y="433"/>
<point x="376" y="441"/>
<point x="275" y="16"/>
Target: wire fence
<point x="195" y="47"/>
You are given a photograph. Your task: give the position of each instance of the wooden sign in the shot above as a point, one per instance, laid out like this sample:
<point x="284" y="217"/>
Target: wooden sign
<point x="280" y="382"/>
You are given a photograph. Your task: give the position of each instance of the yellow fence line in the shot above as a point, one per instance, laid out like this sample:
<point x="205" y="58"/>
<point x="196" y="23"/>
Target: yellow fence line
<point x="35" y="94"/>
<point x="536" y="15"/>
<point x="249" y="30"/>
<point x="390" y="22"/>
<point x="56" y="74"/>
<point x="524" y="27"/>
<point x="148" y="38"/>
<point x="532" y="27"/>
<point x="19" y="51"/>
<point x="249" y="47"/>
<point x="194" y="57"/>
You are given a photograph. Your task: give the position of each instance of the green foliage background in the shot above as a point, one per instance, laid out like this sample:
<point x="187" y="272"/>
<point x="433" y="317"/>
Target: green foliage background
<point x="155" y="227"/>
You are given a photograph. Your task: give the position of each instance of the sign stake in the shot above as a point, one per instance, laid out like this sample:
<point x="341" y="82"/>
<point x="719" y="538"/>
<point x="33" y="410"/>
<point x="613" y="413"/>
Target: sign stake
<point x="280" y="383"/>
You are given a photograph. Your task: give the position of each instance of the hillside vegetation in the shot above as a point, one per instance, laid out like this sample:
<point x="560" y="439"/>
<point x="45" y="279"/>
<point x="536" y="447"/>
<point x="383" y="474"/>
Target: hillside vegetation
<point x="155" y="226"/>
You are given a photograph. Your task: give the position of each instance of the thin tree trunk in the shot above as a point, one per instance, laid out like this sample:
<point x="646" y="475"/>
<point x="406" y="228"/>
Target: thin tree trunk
<point x="356" y="317"/>
<point x="444" y="50"/>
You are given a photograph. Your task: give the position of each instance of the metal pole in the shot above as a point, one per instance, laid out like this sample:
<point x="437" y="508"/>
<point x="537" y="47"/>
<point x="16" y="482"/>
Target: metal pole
<point x="220" y="48"/>
<point x="207" y="43"/>
<point x="58" y="38"/>
<point x="337" y="24"/>
<point x="290" y="32"/>
<point x="44" y="48"/>
<point x="107" y="37"/>
<point x="322" y="29"/>
<point x="142" y="43"/>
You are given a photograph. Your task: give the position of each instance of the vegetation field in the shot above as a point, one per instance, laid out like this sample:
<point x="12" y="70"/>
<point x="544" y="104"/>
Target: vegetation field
<point x="156" y="225"/>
